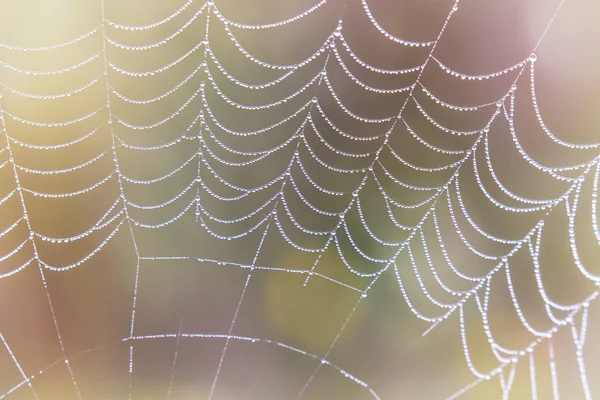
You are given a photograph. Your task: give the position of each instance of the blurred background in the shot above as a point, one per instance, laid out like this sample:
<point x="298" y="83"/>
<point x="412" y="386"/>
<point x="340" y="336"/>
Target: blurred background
<point x="161" y="228"/>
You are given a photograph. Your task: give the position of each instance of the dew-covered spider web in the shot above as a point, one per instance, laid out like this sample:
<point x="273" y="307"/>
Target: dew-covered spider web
<point x="266" y="199"/>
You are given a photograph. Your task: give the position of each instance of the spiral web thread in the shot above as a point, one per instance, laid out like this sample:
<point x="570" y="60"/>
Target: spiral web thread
<point x="302" y="130"/>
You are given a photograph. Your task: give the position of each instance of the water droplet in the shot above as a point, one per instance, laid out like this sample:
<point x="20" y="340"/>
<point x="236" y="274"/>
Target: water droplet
<point x="533" y="58"/>
<point x="455" y="7"/>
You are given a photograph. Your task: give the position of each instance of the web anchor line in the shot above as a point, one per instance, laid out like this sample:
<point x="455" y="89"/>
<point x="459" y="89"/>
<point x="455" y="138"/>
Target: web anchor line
<point x="121" y="190"/>
<point x="316" y="370"/>
<point x="26" y="379"/>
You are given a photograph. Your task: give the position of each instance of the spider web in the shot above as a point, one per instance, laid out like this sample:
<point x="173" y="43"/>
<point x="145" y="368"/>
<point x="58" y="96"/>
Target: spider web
<point x="298" y="199"/>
